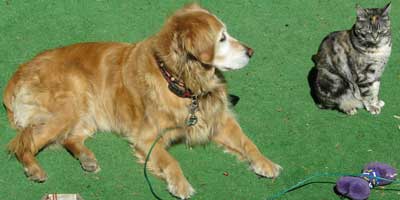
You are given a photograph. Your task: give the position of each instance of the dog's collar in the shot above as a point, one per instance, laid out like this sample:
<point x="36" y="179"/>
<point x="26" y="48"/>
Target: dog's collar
<point x="178" y="87"/>
<point x="175" y="85"/>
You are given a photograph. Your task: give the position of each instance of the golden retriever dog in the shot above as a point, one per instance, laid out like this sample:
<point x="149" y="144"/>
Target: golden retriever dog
<point x="172" y="79"/>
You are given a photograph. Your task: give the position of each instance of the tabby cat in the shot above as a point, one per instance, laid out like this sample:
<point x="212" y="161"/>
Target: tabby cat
<point x="349" y="63"/>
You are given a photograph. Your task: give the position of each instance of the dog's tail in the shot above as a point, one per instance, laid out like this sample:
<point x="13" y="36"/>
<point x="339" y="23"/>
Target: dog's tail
<point x="22" y="143"/>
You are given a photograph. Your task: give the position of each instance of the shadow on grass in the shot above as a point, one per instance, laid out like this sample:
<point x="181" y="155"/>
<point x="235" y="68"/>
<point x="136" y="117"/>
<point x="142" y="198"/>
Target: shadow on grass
<point x="311" y="78"/>
<point x="387" y="189"/>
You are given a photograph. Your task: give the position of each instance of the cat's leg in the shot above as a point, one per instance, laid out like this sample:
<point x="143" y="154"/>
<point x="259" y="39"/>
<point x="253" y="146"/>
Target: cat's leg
<point x="326" y="88"/>
<point x="370" y="92"/>
<point x="335" y="92"/>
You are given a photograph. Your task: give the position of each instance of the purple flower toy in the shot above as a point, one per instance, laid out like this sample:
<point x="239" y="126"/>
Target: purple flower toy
<point x="359" y="188"/>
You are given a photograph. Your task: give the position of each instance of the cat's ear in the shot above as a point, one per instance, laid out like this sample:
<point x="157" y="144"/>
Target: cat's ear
<point x="360" y="11"/>
<point x="386" y="9"/>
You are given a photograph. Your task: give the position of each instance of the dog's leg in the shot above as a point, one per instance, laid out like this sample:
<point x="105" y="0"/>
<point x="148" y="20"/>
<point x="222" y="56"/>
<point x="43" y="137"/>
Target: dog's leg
<point x="234" y="140"/>
<point x="35" y="137"/>
<point x="75" y="144"/>
<point x="162" y="164"/>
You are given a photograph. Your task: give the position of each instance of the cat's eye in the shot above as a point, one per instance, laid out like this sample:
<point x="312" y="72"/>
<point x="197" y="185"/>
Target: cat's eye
<point x="223" y="38"/>
<point x="383" y="31"/>
<point x="364" y="32"/>
<point x="360" y="32"/>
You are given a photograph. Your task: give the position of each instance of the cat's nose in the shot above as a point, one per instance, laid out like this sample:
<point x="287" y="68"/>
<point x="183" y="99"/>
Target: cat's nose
<point x="375" y="36"/>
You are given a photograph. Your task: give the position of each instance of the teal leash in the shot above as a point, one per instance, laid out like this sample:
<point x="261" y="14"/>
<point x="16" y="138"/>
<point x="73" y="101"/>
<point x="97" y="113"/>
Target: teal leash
<point x="277" y="195"/>
<point x="160" y="135"/>
<point x="304" y="182"/>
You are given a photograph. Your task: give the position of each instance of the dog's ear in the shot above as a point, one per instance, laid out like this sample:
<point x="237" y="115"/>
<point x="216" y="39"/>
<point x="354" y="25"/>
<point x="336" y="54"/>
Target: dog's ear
<point x="199" y="44"/>
<point x="191" y="32"/>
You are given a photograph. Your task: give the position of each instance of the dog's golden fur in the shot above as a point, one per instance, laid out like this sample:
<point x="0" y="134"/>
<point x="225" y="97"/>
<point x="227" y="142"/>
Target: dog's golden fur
<point x="65" y="95"/>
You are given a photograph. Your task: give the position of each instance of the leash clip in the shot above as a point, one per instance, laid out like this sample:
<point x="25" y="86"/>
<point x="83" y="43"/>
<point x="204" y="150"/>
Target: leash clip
<point x="193" y="107"/>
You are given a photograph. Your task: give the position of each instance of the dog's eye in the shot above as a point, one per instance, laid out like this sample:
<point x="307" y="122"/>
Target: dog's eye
<point x="223" y="38"/>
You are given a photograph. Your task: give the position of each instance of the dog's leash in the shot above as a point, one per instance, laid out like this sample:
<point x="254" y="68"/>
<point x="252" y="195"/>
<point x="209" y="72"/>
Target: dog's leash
<point x="159" y="136"/>
<point x="233" y="100"/>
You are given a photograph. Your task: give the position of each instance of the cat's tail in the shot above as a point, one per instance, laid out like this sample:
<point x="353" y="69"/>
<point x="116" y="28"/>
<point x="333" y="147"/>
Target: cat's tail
<point x="315" y="58"/>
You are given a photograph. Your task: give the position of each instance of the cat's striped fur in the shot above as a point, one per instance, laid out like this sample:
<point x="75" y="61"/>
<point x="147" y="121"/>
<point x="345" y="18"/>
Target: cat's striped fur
<point x="349" y="63"/>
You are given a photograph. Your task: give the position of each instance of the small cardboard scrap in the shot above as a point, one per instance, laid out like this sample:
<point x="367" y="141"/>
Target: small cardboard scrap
<point x="62" y="197"/>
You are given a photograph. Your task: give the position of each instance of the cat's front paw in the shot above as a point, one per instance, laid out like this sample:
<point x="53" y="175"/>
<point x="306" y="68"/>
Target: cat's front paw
<point x="381" y="103"/>
<point x="351" y="111"/>
<point x="373" y="109"/>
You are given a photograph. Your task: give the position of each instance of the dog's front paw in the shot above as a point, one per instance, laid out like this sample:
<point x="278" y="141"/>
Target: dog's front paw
<point x="266" y="168"/>
<point x="181" y="189"/>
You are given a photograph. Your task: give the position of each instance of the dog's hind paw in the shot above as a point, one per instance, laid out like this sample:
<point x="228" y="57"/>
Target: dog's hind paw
<point x="35" y="173"/>
<point x="89" y="164"/>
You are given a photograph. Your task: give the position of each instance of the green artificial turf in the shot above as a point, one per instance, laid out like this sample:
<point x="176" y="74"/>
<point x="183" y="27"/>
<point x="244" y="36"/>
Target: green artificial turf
<point x="276" y="109"/>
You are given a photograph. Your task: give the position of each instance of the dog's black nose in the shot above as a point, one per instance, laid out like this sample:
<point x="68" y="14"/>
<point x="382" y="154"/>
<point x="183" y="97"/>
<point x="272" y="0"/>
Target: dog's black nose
<point x="249" y="52"/>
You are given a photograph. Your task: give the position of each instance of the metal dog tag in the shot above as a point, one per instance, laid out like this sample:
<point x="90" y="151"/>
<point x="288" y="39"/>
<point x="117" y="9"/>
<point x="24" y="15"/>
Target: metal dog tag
<point x="193" y="107"/>
<point x="192" y="120"/>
